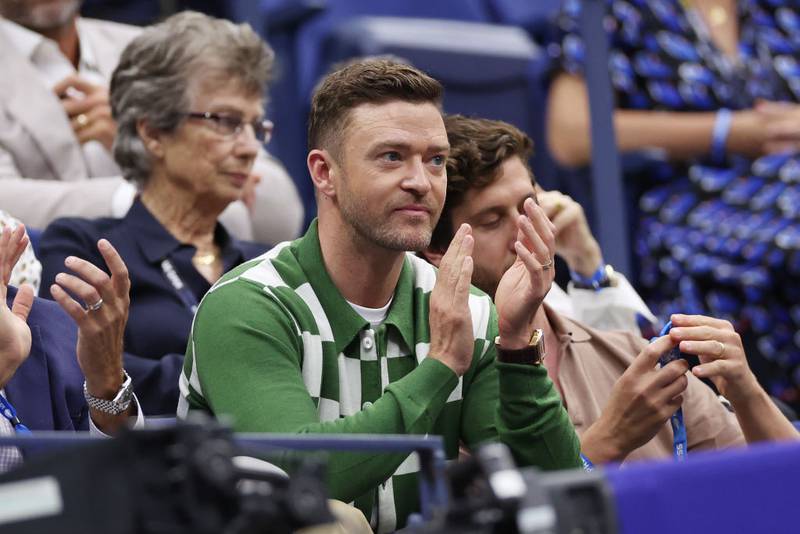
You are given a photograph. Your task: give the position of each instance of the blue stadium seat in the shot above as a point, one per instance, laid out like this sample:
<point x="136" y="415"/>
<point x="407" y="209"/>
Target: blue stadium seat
<point x="144" y="12"/>
<point x="740" y="490"/>
<point x="535" y="16"/>
<point x="35" y="235"/>
<point x="299" y="31"/>
<point x="491" y="73"/>
<point x="312" y="37"/>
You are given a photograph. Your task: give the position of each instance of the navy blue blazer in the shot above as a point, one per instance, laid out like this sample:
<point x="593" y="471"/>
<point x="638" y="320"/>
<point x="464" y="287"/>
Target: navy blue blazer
<point x="160" y="320"/>
<point x="47" y="389"/>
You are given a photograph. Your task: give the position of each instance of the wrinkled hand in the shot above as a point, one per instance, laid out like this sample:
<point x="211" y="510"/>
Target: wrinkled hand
<point x="100" y="331"/>
<point x="15" y="334"/>
<point x="574" y="240"/>
<point x="88" y="109"/>
<point x="721" y="354"/>
<point x="450" y="320"/>
<point x="642" y="400"/>
<point x="525" y="284"/>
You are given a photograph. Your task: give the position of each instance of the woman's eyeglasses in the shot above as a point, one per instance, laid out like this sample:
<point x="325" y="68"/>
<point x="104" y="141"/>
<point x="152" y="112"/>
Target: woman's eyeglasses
<point x="231" y="126"/>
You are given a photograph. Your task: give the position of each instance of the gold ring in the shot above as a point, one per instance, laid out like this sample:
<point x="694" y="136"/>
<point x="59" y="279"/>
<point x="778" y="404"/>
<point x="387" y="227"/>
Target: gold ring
<point x="721" y="348"/>
<point x="82" y="120"/>
<point x="546" y="266"/>
<point x="96" y="306"/>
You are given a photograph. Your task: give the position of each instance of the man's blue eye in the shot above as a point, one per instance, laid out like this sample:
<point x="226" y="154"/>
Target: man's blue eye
<point x="438" y="160"/>
<point x="391" y="156"/>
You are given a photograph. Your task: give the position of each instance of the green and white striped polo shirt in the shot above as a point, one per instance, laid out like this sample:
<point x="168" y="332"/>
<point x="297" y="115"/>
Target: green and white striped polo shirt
<point x="276" y="346"/>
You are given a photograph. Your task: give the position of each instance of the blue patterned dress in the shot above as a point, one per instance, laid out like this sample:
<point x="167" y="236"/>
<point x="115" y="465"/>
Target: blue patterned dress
<point x="716" y="237"/>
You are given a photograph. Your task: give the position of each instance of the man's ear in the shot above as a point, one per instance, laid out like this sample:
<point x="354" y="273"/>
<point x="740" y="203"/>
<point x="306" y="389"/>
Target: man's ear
<point x="433" y="255"/>
<point x="151" y="137"/>
<point x="323" y="171"/>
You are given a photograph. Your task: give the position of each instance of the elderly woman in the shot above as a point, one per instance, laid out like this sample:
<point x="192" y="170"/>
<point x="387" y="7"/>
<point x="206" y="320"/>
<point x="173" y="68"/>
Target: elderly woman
<point x="188" y="98"/>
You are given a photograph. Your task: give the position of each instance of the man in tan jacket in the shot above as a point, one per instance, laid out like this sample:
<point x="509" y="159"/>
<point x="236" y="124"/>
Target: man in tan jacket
<point x="618" y="399"/>
<point x="57" y="133"/>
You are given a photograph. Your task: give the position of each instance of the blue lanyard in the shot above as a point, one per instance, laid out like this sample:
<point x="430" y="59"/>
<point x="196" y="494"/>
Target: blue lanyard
<point x="183" y="291"/>
<point x="587" y="463"/>
<point x="11" y="414"/>
<point x="679" y="442"/>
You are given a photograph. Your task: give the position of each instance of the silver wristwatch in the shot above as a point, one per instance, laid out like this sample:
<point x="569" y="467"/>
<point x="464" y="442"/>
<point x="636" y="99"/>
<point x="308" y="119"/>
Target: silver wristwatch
<point x="120" y="402"/>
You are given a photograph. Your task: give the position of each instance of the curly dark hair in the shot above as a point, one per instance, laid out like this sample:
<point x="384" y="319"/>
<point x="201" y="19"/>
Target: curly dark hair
<point x="478" y="147"/>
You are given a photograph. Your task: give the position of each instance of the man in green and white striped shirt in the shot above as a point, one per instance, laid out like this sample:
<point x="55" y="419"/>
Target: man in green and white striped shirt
<point x="343" y="331"/>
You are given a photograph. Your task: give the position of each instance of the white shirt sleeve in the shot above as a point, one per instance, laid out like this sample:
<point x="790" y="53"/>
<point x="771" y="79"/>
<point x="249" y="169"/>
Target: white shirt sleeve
<point x="610" y="308"/>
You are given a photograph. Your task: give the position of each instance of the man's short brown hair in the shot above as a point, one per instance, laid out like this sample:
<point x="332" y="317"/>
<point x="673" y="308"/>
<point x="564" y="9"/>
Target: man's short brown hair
<point x="478" y="148"/>
<point x="371" y="81"/>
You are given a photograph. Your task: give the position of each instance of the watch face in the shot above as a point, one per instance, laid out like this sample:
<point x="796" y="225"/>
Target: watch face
<point x="537" y="337"/>
<point x="127" y="395"/>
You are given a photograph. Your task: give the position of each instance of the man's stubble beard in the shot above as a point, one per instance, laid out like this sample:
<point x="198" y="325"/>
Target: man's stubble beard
<point x="380" y="232"/>
<point x="488" y="280"/>
<point x="485" y="281"/>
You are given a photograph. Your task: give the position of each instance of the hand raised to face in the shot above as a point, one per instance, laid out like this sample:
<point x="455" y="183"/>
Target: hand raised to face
<point x="525" y="284"/>
<point x="574" y="240"/>
<point x="88" y="110"/>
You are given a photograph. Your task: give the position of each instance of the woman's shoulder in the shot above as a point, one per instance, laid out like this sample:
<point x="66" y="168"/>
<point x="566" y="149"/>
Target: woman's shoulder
<point x="79" y="226"/>
<point x="251" y="249"/>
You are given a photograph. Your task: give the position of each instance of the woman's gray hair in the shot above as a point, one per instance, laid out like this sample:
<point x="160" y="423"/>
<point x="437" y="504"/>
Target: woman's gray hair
<point x="158" y="68"/>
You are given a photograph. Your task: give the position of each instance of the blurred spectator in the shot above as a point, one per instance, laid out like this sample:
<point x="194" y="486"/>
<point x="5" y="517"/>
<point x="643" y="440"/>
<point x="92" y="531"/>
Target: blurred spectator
<point x="709" y="89"/>
<point x="27" y="270"/>
<point x="617" y="398"/>
<point x="596" y="294"/>
<point x="188" y="98"/>
<point x="57" y="132"/>
<point x="56" y="123"/>
<point x="146" y="12"/>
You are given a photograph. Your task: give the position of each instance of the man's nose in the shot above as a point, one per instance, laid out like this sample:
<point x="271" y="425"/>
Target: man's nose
<point x="417" y="177"/>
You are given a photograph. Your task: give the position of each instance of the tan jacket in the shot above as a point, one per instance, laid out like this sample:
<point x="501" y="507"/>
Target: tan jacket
<point x="592" y="361"/>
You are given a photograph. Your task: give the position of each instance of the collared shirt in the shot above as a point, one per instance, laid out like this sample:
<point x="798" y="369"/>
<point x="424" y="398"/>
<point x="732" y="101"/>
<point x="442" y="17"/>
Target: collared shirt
<point x="159" y="320"/>
<point x="53" y="66"/>
<point x="276" y="346"/>
<point x="590" y="363"/>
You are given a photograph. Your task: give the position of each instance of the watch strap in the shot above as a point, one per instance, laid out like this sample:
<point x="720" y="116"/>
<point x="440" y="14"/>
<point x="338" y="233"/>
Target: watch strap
<point x="533" y="354"/>
<point x="602" y="277"/>
<point x="120" y="403"/>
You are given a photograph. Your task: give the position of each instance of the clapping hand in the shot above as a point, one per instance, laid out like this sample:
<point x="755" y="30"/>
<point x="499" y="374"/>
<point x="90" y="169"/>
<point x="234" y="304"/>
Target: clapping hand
<point x="450" y="319"/>
<point x="15" y="335"/>
<point x="525" y="284"/>
<point x="100" y="309"/>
